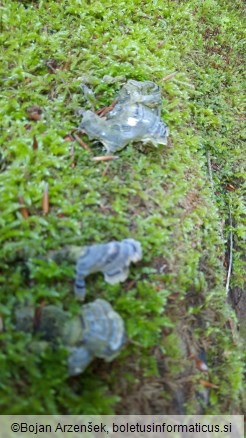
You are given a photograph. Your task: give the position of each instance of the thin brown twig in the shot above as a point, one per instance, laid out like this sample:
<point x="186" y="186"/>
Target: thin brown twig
<point x="102" y="111"/>
<point x="106" y="158"/>
<point x="166" y="78"/>
<point x="1" y="324"/>
<point x="23" y="209"/>
<point x="45" y="200"/>
<point x="104" y="173"/>
<point x="72" y="157"/>
<point x="81" y="142"/>
<point x="67" y="65"/>
<point x="35" y="143"/>
<point x="38" y="314"/>
<point x="230" y="254"/>
<point x="210" y="172"/>
<point x="208" y="384"/>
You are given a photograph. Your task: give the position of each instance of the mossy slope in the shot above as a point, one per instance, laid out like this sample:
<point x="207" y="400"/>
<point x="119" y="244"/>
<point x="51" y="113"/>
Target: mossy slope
<point x="174" y="301"/>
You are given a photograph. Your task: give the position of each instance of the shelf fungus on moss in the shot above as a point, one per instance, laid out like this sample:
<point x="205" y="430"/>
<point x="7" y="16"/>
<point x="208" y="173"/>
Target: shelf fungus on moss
<point x="103" y="335"/>
<point x="97" y="332"/>
<point x="135" y="117"/>
<point x="112" y="259"/>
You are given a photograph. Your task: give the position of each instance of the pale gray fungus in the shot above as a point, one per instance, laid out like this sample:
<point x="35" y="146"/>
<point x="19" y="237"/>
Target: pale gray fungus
<point x="112" y="259"/>
<point x="78" y="360"/>
<point x="103" y="335"/>
<point x="97" y="332"/>
<point x="135" y="117"/>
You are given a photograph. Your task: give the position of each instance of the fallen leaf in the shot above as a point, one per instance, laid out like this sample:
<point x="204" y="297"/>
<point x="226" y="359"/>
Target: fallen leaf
<point x="45" y="202"/>
<point x="105" y="158"/>
<point x="169" y="76"/>
<point x="23" y="209"/>
<point x="208" y="384"/>
<point x="230" y="187"/>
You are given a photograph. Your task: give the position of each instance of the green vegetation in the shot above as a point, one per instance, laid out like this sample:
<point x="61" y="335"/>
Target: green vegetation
<point x="174" y="300"/>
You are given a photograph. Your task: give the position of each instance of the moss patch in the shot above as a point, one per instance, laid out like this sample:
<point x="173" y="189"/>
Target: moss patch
<point x="174" y="301"/>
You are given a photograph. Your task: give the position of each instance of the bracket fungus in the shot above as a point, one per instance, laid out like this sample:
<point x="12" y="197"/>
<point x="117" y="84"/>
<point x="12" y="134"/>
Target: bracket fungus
<point x="97" y="332"/>
<point x="135" y="117"/>
<point x="113" y="259"/>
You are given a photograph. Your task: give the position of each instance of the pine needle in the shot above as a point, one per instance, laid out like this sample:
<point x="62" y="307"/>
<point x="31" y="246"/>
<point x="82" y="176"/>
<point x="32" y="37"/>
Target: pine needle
<point x="166" y="78"/>
<point x="230" y="254"/>
<point x="104" y="173"/>
<point x="210" y="172"/>
<point x="81" y="143"/>
<point x="23" y="209"/>
<point x="45" y="202"/>
<point x="106" y="158"/>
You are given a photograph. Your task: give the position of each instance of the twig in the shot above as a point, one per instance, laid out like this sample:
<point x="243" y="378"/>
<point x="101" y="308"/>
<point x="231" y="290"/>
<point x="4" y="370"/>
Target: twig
<point x="68" y="63"/>
<point x="106" y="158"/>
<point x="104" y="173"/>
<point x="72" y="157"/>
<point x="35" y="143"/>
<point x="208" y="384"/>
<point x="38" y="314"/>
<point x="1" y="324"/>
<point x="166" y="78"/>
<point x="81" y="142"/>
<point x="23" y="209"/>
<point x="45" y="200"/>
<point x="102" y="111"/>
<point x="230" y="254"/>
<point x="210" y="172"/>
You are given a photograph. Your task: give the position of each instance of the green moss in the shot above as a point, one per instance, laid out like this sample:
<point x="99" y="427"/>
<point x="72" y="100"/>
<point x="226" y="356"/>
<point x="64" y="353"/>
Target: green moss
<point x="162" y="197"/>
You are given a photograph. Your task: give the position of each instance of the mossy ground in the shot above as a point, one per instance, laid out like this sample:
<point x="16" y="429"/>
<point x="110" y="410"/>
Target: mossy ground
<point x="174" y="300"/>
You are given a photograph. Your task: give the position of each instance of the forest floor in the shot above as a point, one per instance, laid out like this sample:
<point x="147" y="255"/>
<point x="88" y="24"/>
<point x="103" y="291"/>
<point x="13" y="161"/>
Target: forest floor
<point x="183" y="202"/>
